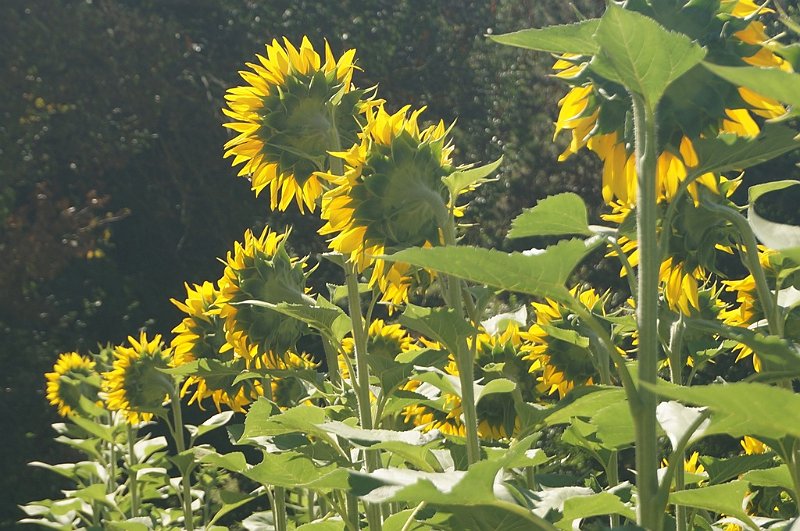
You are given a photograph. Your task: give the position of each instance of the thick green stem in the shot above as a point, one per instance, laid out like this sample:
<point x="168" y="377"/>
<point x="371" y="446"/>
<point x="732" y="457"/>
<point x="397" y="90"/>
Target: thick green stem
<point x="371" y="457"/>
<point x="186" y="484"/>
<point x="648" y="515"/>
<point x="464" y="357"/>
<point x="133" y="487"/>
<point x="279" y="508"/>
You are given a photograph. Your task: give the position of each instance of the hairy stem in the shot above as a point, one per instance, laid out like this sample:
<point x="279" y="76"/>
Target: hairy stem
<point x="648" y="514"/>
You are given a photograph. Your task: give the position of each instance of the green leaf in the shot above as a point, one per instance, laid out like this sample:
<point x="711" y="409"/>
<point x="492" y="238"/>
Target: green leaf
<point x="568" y="38"/>
<point x="742" y="408"/>
<point x="542" y="273"/>
<point x="726" y="498"/>
<point x="614" y="426"/>
<point x="556" y="215"/>
<point x="773" y="477"/>
<point x="234" y="461"/>
<point x="640" y="54"/>
<point x="257" y="421"/>
<point x="295" y="470"/>
<point x="420" y="457"/>
<point x="397" y="522"/>
<point x="322" y="318"/>
<point x="593" y="505"/>
<point x="367" y="438"/>
<point x="231" y="500"/>
<point x="439" y="324"/>
<point x="210" y="424"/>
<point x="729" y="152"/>
<point x="101" y="431"/>
<point x="595" y="399"/>
<point x="331" y="524"/>
<point x="769" y="82"/>
<point x="502" y="516"/>
<point x="470" y="178"/>
<point x="722" y="470"/>
<point x="777" y="355"/>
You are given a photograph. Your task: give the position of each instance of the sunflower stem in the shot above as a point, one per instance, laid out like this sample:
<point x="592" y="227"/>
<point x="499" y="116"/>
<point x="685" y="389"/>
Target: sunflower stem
<point x="186" y="496"/>
<point x="371" y="457"/>
<point x="133" y="487"/>
<point x="676" y="376"/>
<point x="648" y="514"/>
<point x="464" y="358"/>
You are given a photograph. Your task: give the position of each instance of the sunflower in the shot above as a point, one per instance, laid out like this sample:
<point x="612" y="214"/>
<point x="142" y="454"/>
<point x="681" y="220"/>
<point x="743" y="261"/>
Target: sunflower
<point x="747" y="311"/>
<point x="384" y="343"/>
<point x="596" y="112"/>
<point x="390" y="197"/>
<point x="292" y="112"/>
<point x="560" y="364"/>
<point x="287" y="391"/>
<point x="135" y="385"/>
<point x="752" y="446"/>
<point x="201" y="336"/>
<point x="498" y="355"/>
<point x="260" y="269"/>
<point x="73" y="377"/>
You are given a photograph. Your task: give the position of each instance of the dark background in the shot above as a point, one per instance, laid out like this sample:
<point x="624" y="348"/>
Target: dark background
<point x="113" y="190"/>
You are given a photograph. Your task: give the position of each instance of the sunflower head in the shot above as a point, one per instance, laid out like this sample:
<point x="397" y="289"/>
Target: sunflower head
<point x="260" y="269"/>
<point x="391" y="196"/>
<point x="384" y="343"/>
<point x="597" y="112"/>
<point x="201" y="336"/>
<point x="135" y="385"/>
<point x="294" y="109"/>
<point x="73" y="377"/>
<point x="558" y="347"/>
<point x="288" y="391"/>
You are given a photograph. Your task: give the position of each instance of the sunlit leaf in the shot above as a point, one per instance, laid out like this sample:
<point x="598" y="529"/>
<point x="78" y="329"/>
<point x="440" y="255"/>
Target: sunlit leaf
<point x="567" y="38"/>
<point x="557" y="215"/>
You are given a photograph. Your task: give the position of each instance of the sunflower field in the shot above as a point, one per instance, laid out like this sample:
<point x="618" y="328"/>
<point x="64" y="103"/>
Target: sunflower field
<point x="438" y="385"/>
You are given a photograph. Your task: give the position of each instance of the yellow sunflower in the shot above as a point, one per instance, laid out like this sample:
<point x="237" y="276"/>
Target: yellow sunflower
<point x="294" y="109"/>
<point x="287" y="391"/>
<point x="498" y="355"/>
<point x="201" y="336"/>
<point x="391" y="197"/>
<point x="260" y="269"/>
<point x="596" y="112"/>
<point x="73" y="377"/>
<point x="752" y="446"/>
<point x="747" y="310"/>
<point x="384" y="343"/>
<point x="135" y="386"/>
<point x="560" y="365"/>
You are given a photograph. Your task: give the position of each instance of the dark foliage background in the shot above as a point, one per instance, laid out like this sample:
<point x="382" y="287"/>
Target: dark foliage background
<point x="113" y="190"/>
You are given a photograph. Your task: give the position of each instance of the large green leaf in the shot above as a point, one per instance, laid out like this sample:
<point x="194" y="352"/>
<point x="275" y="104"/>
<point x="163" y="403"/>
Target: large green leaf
<point x="542" y="272"/>
<point x="726" y="498"/>
<point x="641" y="54"/>
<point x="439" y="324"/>
<point x="331" y="524"/>
<point x="574" y="405"/>
<point x="556" y="215"/>
<point x="742" y="408"/>
<point x="773" y="477"/>
<point x="770" y="82"/>
<point x="469" y="494"/>
<point x="593" y="505"/>
<point x="729" y="152"/>
<point x="567" y="38"/>
<point x="293" y="469"/>
<point x="722" y="470"/>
